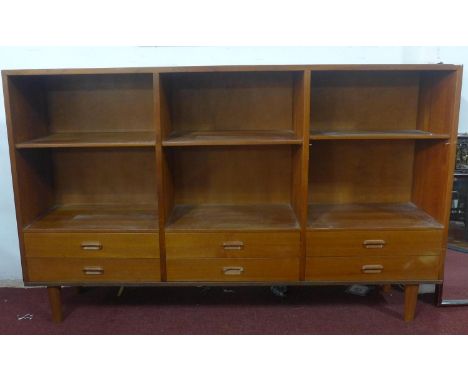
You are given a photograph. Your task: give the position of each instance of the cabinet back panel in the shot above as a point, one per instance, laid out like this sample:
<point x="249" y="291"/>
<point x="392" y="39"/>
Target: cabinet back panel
<point x="367" y="101"/>
<point x="232" y="175"/>
<point x="108" y="176"/>
<point x="231" y="101"/>
<point x="359" y="172"/>
<point x="100" y="102"/>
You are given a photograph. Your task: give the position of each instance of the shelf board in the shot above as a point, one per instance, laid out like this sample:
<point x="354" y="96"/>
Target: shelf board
<point x="97" y="218"/>
<point x="369" y="216"/>
<point x="232" y="138"/>
<point x="92" y="139"/>
<point x="396" y="134"/>
<point x="232" y="217"/>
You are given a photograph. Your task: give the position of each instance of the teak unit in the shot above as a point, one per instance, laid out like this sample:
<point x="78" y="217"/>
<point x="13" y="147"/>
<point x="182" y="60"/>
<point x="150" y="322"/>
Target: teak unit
<point x="309" y="174"/>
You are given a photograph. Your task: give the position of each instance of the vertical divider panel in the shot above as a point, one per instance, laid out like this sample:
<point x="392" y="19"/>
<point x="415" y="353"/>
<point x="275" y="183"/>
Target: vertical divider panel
<point x="300" y="158"/>
<point x="164" y="191"/>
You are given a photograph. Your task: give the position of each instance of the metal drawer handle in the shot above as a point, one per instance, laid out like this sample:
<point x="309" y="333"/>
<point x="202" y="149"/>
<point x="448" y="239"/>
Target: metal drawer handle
<point x="91" y="246"/>
<point x="375" y="268"/>
<point x="373" y="244"/>
<point x="232" y="271"/>
<point x="93" y="271"/>
<point x="233" y="245"/>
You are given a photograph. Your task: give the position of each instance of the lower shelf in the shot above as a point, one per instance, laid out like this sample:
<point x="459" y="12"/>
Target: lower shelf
<point x="97" y="217"/>
<point x="232" y="217"/>
<point x="369" y="216"/>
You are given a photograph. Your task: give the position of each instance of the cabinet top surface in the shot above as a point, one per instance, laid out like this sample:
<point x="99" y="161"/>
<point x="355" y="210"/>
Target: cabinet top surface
<point x="238" y="68"/>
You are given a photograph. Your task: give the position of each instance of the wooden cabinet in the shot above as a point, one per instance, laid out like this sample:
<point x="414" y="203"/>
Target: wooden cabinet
<point x="266" y="174"/>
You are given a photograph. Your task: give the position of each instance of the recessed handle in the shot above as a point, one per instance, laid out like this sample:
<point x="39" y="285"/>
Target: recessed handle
<point x="372" y="268"/>
<point x="373" y="244"/>
<point x="233" y="271"/>
<point x="91" y="246"/>
<point x="93" y="271"/>
<point x="235" y="245"/>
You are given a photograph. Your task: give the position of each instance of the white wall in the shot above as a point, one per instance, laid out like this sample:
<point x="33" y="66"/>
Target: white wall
<point x="24" y="58"/>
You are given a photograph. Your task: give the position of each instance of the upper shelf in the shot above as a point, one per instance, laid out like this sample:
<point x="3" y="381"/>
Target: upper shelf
<point x="232" y="138"/>
<point x="388" y="135"/>
<point x="92" y="139"/>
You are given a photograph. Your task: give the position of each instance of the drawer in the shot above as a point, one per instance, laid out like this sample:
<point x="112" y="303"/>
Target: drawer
<point x="93" y="245"/>
<point x="233" y="245"/>
<point x="372" y="268"/>
<point x="233" y="269"/>
<point x="370" y="243"/>
<point x="92" y="270"/>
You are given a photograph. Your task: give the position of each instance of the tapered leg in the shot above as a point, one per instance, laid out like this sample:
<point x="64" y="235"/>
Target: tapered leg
<point x="55" y="302"/>
<point x="411" y="298"/>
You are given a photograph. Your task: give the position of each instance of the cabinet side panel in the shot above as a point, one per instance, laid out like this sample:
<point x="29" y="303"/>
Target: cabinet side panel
<point x="32" y="192"/>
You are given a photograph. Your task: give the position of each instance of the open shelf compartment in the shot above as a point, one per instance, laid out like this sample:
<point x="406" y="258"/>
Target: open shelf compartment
<point x="231" y="188"/>
<point x="381" y="104"/>
<point x="100" y="110"/>
<point x="354" y="185"/>
<point x="111" y="189"/>
<point x="231" y="108"/>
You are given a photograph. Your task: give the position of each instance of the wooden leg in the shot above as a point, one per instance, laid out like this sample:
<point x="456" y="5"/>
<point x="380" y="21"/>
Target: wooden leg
<point x="55" y="303"/>
<point x="411" y="298"/>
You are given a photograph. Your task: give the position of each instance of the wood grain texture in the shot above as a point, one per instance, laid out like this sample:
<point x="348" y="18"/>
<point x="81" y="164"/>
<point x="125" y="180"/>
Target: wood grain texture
<point x="230" y="101"/>
<point x="252" y="269"/>
<point x="100" y="103"/>
<point x="234" y="68"/>
<point x="233" y="245"/>
<point x="370" y="216"/>
<point x="231" y="175"/>
<point x="55" y="302"/>
<point x="161" y="124"/>
<point x="369" y="101"/>
<point x="115" y="144"/>
<point x="85" y="139"/>
<point x="373" y="135"/>
<point x="350" y="268"/>
<point x="92" y="218"/>
<point x="411" y="299"/>
<point x="357" y="172"/>
<point x="235" y="217"/>
<point x="453" y="110"/>
<point x="105" y="176"/>
<point x="64" y="270"/>
<point x="232" y="138"/>
<point x="92" y="245"/>
<point x="405" y="242"/>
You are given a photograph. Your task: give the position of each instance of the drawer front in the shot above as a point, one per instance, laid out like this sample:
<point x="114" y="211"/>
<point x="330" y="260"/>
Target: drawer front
<point x="233" y="270"/>
<point x="370" y="243"/>
<point x="372" y="268"/>
<point x="233" y="245"/>
<point x="92" y="245"/>
<point x="93" y="271"/>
